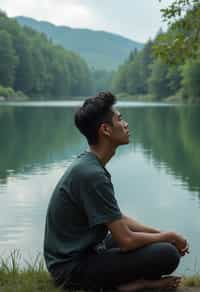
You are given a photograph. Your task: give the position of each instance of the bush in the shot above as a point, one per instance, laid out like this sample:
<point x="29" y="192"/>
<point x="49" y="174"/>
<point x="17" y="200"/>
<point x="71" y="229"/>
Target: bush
<point x="6" y="91"/>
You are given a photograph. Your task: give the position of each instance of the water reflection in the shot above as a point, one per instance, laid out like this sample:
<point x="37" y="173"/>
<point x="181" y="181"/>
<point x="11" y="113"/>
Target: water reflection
<point x="32" y="138"/>
<point x="170" y="136"/>
<point x="156" y="176"/>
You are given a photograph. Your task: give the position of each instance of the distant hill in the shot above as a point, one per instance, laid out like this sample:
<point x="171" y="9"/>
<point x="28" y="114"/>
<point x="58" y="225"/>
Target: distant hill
<point x="102" y="50"/>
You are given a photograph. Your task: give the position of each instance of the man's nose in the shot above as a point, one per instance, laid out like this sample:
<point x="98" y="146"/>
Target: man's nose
<point x="126" y="124"/>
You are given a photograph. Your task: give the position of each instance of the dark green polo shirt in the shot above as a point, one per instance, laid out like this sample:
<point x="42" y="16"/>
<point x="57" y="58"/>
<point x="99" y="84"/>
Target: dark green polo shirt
<point x="81" y="204"/>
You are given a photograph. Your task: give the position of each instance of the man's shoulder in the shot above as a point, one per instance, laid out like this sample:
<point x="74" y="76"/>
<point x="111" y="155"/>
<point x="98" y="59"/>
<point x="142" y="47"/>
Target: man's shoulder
<point x="87" y="165"/>
<point x="86" y="168"/>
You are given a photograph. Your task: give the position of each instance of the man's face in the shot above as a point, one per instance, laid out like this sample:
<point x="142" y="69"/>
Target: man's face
<point x="119" y="129"/>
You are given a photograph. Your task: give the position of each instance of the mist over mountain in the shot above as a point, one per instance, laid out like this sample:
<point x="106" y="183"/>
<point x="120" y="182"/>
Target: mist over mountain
<point x="101" y="50"/>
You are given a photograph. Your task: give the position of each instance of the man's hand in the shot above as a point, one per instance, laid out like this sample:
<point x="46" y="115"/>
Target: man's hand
<point x="185" y="250"/>
<point x="179" y="241"/>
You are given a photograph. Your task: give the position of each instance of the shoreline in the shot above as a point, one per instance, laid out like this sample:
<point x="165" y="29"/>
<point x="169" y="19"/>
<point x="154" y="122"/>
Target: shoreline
<point x="177" y="99"/>
<point x="34" y="277"/>
<point x="40" y="281"/>
<point x="146" y="98"/>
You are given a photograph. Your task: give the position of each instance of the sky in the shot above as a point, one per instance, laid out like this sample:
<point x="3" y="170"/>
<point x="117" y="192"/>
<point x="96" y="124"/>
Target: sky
<point x="138" y="20"/>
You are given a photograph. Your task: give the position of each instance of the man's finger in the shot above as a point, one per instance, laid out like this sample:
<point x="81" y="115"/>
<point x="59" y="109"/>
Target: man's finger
<point x="185" y="250"/>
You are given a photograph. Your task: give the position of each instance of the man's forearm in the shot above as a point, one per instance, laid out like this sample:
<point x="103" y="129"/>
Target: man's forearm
<point x="135" y="226"/>
<point x="125" y="232"/>
<point x="141" y="239"/>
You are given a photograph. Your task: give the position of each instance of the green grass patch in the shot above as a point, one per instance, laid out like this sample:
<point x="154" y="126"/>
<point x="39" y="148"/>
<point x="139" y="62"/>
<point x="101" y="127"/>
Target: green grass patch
<point x="33" y="277"/>
<point x="192" y="281"/>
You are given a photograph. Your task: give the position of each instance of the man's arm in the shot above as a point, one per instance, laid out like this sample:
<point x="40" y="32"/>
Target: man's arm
<point x="135" y="226"/>
<point x="131" y="240"/>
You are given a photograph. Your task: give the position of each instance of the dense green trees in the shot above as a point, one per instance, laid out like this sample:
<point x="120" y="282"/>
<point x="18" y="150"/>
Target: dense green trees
<point x="183" y="37"/>
<point x="168" y="66"/>
<point x="102" y="80"/>
<point x="29" y="62"/>
<point x="158" y="81"/>
<point x="132" y="77"/>
<point x="8" y="60"/>
<point x="191" y="79"/>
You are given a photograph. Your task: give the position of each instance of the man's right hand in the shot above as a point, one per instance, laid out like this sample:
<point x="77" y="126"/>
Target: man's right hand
<point x="179" y="241"/>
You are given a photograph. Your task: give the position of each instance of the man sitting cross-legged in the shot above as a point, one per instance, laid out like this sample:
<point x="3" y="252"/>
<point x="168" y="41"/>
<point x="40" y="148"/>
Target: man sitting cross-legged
<point x="89" y="243"/>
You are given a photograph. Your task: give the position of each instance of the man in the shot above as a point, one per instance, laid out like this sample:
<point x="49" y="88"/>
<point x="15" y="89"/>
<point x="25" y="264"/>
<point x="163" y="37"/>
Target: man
<point x="89" y="243"/>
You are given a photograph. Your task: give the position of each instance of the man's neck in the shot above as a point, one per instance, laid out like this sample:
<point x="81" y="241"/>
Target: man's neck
<point x="104" y="154"/>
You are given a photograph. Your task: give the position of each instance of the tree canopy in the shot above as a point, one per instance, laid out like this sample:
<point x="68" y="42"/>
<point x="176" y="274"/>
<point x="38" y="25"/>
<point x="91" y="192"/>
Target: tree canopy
<point x="183" y="37"/>
<point x="168" y="66"/>
<point x="31" y="63"/>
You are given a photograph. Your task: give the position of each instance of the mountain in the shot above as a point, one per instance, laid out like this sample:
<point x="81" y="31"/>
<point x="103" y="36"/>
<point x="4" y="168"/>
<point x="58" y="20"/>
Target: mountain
<point x="101" y="50"/>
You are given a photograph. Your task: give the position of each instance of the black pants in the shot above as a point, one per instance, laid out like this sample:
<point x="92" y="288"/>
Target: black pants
<point x="112" y="267"/>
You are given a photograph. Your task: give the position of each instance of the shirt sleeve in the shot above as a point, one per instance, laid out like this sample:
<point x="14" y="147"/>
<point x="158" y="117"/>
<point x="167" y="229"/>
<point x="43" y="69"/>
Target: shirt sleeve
<point x="100" y="204"/>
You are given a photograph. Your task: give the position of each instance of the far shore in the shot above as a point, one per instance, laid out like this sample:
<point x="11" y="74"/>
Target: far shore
<point x="121" y="97"/>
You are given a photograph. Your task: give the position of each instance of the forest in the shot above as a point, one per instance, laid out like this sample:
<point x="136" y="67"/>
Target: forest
<point x="31" y="64"/>
<point x="168" y="67"/>
<point x="165" y="69"/>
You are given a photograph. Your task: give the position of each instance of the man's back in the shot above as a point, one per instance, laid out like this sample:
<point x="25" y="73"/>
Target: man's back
<point x="82" y="201"/>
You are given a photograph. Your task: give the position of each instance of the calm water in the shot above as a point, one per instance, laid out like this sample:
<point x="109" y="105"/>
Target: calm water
<point x="156" y="176"/>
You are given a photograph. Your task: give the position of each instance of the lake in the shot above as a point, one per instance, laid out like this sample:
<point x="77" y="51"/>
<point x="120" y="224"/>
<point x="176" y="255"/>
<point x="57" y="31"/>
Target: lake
<point x="156" y="177"/>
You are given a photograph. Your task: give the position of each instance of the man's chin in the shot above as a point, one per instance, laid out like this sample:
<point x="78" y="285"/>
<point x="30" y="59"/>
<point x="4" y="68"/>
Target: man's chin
<point x="125" y="142"/>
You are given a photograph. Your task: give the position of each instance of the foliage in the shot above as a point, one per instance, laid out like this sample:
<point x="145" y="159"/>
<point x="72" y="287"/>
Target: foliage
<point x="33" y="277"/>
<point x="29" y="62"/>
<point x="177" y="8"/>
<point x="6" y="91"/>
<point x="8" y="59"/>
<point x="182" y="39"/>
<point x="169" y="65"/>
<point x="191" y="79"/>
<point x="158" y="82"/>
<point x="102" y="80"/>
<point x="192" y="281"/>
<point x="164" y="80"/>
<point x="132" y="76"/>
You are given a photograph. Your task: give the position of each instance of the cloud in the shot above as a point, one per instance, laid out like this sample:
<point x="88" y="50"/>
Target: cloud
<point x="138" y="19"/>
<point x="60" y="12"/>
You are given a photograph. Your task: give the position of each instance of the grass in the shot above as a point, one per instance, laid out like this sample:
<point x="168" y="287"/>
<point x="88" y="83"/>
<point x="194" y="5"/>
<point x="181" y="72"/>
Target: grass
<point x="33" y="277"/>
<point x="192" y="281"/>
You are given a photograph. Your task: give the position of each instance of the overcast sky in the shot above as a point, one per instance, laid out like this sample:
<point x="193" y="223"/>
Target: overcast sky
<point x="136" y="19"/>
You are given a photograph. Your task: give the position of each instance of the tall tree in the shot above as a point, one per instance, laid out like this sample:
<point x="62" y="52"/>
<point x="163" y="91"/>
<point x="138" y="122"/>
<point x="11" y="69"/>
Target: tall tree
<point x="24" y="69"/>
<point x="191" y="79"/>
<point x="158" y="81"/>
<point x="8" y="59"/>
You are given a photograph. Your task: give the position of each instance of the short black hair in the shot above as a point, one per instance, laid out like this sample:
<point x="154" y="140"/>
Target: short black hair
<point x="93" y="113"/>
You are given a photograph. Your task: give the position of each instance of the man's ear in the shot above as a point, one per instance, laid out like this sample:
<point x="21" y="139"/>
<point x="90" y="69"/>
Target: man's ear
<point x="105" y="129"/>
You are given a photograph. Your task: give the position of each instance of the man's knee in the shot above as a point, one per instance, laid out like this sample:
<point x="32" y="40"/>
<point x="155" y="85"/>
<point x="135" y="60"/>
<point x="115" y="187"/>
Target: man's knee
<point x="170" y="257"/>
